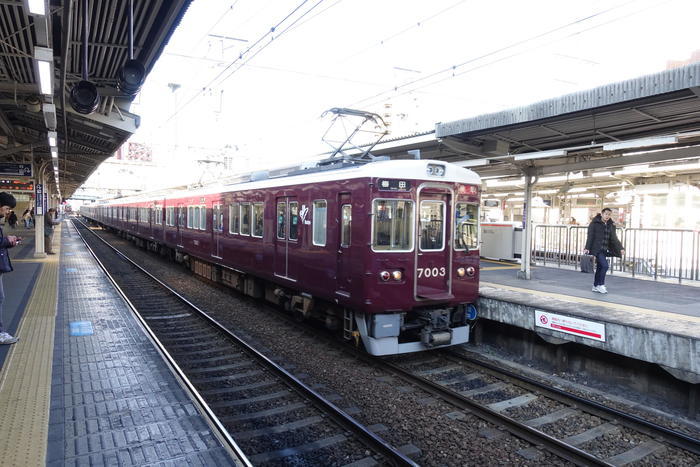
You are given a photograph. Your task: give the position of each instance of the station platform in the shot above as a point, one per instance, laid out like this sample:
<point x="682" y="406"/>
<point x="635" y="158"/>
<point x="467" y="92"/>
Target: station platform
<point x="652" y="321"/>
<point x="84" y="385"/>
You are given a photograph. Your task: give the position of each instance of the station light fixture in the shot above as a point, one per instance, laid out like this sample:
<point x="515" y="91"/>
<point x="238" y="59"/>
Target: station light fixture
<point x="35" y="7"/>
<point x="54" y="153"/>
<point x="44" y="63"/>
<point x="49" y="116"/>
<point x="473" y="163"/>
<point x="641" y="143"/>
<point x="539" y="155"/>
<point x="52" y="135"/>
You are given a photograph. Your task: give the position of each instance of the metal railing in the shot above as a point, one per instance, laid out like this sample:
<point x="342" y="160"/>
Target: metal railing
<point x="655" y="253"/>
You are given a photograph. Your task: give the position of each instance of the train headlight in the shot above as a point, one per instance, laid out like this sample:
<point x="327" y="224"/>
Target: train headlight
<point x="397" y="275"/>
<point x="435" y="169"/>
<point x="471" y="271"/>
<point x="461" y="272"/>
<point x="384" y="275"/>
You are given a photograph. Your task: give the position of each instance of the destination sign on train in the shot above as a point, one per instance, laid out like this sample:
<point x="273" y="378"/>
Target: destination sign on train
<point x="394" y="185"/>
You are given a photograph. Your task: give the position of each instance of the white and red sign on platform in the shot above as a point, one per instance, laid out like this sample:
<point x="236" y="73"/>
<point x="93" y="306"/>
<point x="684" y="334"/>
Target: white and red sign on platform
<point x="570" y="325"/>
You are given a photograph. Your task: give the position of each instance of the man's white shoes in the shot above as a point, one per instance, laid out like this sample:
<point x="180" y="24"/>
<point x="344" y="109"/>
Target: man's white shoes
<point x="5" y="338"/>
<point x="599" y="289"/>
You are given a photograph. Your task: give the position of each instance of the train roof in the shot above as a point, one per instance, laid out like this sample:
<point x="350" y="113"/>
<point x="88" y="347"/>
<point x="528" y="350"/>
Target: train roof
<point x="395" y="169"/>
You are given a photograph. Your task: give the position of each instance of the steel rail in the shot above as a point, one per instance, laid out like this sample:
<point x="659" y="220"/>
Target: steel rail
<point x="221" y="431"/>
<point x="673" y="437"/>
<point x="532" y="435"/>
<point x="339" y="416"/>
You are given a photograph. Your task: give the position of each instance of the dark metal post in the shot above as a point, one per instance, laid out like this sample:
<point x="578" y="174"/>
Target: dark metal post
<point x="86" y="31"/>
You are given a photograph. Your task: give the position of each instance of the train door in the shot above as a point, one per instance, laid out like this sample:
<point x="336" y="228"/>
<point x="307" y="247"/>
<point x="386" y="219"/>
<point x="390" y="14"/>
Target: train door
<point x="287" y="231"/>
<point x="217" y="230"/>
<point x="433" y="252"/>
<point x="343" y="272"/>
<point x="180" y="224"/>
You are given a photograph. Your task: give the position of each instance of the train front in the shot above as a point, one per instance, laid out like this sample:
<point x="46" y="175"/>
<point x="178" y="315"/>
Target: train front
<point x="423" y="281"/>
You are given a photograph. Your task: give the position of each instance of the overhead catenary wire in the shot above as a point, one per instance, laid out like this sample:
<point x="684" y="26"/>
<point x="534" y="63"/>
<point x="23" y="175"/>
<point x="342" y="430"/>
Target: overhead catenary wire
<point x="245" y="53"/>
<point x="415" y="24"/>
<point x="451" y="71"/>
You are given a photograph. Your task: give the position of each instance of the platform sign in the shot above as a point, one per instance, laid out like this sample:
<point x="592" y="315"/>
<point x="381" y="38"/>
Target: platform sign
<point x="39" y="196"/>
<point x="16" y="185"/>
<point x="570" y="325"/>
<point x="21" y="170"/>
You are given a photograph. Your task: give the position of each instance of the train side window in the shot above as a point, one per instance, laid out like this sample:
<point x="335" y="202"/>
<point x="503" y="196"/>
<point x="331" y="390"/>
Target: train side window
<point x="195" y="217"/>
<point x="234" y="218"/>
<point x="281" y="220"/>
<point x="392" y="225"/>
<point x="217" y="218"/>
<point x="293" y="220"/>
<point x="202" y="218"/>
<point x="345" y="228"/>
<point x="258" y="219"/>
<point x="432" y="225"/>
<point x="245" y="218"/>
<point x="319" y="222"/>
<point x="190" y="216"/>
<point x="466" y="226"/>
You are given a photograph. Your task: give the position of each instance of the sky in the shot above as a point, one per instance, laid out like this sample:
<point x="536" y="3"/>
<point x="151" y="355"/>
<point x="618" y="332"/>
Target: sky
<point x="255" y="76"/>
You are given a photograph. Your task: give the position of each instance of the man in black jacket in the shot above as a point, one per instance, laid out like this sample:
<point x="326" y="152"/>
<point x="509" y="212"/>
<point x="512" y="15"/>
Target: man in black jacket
<point x="602" y="242"/>
<point x="7" y="202"/>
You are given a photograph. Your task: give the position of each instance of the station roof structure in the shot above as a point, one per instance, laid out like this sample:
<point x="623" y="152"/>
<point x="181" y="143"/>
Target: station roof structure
<point x="652" y="120"/>
<point x="84" y="141"/>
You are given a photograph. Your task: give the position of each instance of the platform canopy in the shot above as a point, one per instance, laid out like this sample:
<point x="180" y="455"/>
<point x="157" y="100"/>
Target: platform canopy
<point x="28" y="113"/>
<point x="652" y="119"/>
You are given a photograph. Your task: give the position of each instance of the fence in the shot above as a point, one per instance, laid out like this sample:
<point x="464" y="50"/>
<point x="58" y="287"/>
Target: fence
<point x="656" y="253"/>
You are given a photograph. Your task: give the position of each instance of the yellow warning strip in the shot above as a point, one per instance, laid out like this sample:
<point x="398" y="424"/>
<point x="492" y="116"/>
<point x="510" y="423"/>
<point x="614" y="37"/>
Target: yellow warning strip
<point x="499" y="267"/>
<point x="25" y="380"/>
<point x="615" y="306"/>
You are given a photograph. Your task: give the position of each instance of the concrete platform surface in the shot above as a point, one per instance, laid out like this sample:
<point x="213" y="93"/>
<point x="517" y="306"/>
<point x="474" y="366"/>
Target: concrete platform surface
<point x="651" y="321"/>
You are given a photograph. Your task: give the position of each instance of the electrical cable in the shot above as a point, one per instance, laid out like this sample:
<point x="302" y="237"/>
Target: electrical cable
<point x="488" y="54"/>
<point x="239" y="58"/>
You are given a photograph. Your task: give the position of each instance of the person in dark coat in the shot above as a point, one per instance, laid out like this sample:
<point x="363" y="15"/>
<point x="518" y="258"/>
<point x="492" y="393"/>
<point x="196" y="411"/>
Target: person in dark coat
<point x="49" y="222"/>
<point x="7" y="202"/>
<point x="602" y="242"/>
<point x="12" y="219"/>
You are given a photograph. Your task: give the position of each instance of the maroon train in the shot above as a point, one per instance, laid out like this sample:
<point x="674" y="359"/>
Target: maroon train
<point x="386" y="252"/>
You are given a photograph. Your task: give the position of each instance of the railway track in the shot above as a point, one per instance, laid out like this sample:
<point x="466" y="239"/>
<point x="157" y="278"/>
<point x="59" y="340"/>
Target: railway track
<point x="263" y="410"/>
<point x="570" y="426"/>
<point x="549" y="419"/>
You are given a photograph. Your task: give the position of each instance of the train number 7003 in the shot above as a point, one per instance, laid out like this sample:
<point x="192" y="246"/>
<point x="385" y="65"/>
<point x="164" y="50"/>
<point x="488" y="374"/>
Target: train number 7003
<point x="431" y="272"/>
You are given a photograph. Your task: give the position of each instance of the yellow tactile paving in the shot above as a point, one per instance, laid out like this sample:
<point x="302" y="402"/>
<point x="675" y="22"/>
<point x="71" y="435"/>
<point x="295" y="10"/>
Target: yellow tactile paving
<point x="25" y="380"/>
<point x="616" y="306"/>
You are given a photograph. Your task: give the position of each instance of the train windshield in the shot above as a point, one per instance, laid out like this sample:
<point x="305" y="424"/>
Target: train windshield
<point x="392" y="225"/>
<point x="432" y="228"/>
<point x="466" y="227"/>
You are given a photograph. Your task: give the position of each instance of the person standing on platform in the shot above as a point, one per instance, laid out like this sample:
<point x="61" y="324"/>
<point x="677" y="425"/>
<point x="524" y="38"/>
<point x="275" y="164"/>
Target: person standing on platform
<point x="12" y="220"/>
<point x="602" y="242"/>
<point x="49" y="222"/>
<point x="7" y="202"/>
<point x="26" y="217"/>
